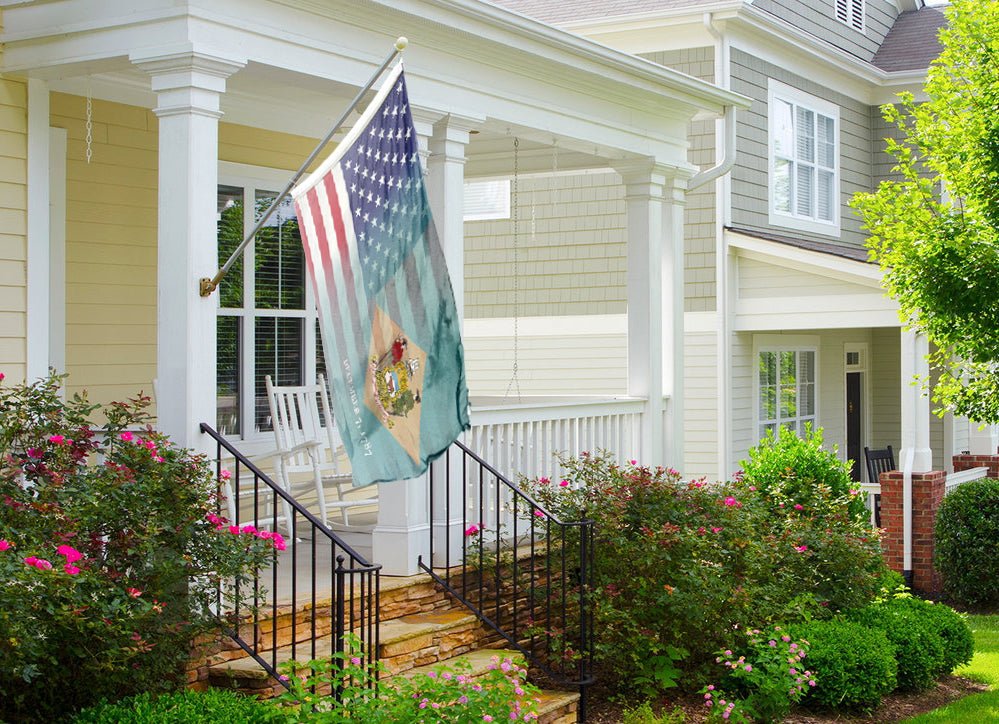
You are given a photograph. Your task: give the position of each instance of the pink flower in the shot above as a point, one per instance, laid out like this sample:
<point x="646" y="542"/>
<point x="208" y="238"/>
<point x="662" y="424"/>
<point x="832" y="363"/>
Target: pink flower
<point x="355" y="660"/>
<point x="39" y="563"/>
<point x="539" y="513"/>
<point x="234" y="529"/>
<point x="730" y="501"/>
<point x="265" y="534"/>
<point x="801" y="549"/>
<point x="30" y="560"/>
<point x="749" y="667"/>
<point x="543" y="481"/>
<point x="71" y="569"/>
<point x="563" y="483"/>
<point x="70" y="553"/>
<point x="472" y="529"/>
<point x="799" y="506"/>
<point x="4" y="545"/>
<point x="133" y="592"/>
<point x="248" y="529"/>
<point x="486" y="717"/>
<point x="715" y="529"/>
<point x="752" y="488"/>
<point x="56" y="439"/>
<point x="34" y="452"/>
<point x="157" y="458"/>
<point x="126" y="436"/>
<point x="2" y="375"/>
<point x="632" y="462"/>
<point x="278" y="541"/>
<point x="225" y="474"/>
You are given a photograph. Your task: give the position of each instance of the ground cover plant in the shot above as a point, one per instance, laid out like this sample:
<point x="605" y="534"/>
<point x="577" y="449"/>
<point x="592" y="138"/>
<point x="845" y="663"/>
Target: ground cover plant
<point x="111" y="552"/>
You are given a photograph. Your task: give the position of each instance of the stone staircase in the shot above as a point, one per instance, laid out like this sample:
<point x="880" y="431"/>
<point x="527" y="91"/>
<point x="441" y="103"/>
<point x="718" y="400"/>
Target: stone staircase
<point x="421" y="628"/>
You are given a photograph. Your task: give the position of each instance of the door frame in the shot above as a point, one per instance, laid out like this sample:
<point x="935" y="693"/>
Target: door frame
<point x="861" y="365"/>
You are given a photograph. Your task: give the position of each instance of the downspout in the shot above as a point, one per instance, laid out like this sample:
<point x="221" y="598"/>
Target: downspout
<point x="907" y="465"/>
<point x="727" y="162"/>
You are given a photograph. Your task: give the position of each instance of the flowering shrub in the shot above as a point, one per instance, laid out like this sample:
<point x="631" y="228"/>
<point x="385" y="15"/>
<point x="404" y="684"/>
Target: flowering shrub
<point x="762" y="684"/>
<point x="447" y="694"/>
<point x="678" y="565"/>
<point x="109" y="553"/>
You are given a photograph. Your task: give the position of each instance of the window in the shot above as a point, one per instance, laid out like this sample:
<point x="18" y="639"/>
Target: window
<point x="266" y="319"/>
<point x="786" y="389"/>
<point x="804" y="161"/>
<point x="851" y="12"/>
<point x="485" y="200"/>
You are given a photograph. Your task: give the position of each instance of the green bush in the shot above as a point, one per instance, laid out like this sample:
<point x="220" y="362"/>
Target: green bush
<point x="680" y="566"/>
<point x="110" y="553"/>
<point x="967" y="543"/>
<point x="953" y="630"/>
<point x="854" y="665"/>
<point x="214" y="706"/>
<point x="919" y="647"/>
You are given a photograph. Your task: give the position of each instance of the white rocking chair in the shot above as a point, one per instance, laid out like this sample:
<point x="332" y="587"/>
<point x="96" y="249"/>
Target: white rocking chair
<point x="307" y="446"/>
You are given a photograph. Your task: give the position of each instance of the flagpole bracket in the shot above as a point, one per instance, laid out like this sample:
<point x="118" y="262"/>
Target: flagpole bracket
<point x="206" y="286"/>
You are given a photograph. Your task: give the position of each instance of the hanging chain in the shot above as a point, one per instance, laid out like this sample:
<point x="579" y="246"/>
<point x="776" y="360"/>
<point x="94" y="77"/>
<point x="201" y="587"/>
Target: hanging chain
<point x="90" y="123"/>
<point x="514" y="380"/>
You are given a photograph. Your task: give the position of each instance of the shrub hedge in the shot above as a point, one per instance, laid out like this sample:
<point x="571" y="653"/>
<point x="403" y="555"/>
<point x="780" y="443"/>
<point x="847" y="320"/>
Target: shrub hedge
<point x="214" y="706"/>
<point x="967" y="543"/>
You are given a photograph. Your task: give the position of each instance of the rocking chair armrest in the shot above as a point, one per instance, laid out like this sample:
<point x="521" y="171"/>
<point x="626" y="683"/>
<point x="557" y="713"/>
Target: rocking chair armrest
<point x="307" y="446"/>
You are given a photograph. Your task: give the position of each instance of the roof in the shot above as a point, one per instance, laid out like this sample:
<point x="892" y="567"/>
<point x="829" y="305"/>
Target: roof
<point x="846" y="251"/>
<point x="559" y="11"/>
<point x="912" y="42"/>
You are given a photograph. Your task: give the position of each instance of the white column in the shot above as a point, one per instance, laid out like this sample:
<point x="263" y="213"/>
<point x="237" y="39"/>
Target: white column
<point x="654" y="196"/>
<point x="188" y="86"/>
<point x="38" y="274"/>
<point x="447" y="199"/>
<point x="915" y="454"/>
<point x="982" y="439"/>
<point x="402" y="533"/>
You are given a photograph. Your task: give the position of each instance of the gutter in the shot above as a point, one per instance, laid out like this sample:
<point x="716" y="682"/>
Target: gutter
<point x="728" y="159"/>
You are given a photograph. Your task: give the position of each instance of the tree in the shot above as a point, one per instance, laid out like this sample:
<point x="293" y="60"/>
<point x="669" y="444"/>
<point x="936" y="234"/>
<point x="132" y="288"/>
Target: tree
<point x="935" y="228"/>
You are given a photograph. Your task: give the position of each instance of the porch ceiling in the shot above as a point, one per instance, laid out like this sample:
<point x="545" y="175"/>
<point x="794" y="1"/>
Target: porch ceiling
<point x="304" y="60"/>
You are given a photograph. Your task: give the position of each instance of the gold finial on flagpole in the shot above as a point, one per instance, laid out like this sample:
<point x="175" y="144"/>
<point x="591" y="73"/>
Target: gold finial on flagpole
<point x="401" y="42"/>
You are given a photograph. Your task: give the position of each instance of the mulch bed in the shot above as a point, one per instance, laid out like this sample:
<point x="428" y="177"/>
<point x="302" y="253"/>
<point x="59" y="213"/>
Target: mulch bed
<point x="895" y="707"/>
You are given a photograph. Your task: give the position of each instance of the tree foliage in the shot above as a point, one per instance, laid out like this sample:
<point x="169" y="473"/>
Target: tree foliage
<point x="935" y="227"/>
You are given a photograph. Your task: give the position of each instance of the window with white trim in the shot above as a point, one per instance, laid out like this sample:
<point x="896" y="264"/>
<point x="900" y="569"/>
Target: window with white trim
<point x="485" y="200"/>
<point x="851" y="12"/>
<point x="804" y="161"/>
<point x="266" y="320"/>
<point x="786" y="390"/>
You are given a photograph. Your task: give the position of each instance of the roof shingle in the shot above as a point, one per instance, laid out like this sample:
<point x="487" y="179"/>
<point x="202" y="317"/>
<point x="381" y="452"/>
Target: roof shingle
<point x="912" y="42"/>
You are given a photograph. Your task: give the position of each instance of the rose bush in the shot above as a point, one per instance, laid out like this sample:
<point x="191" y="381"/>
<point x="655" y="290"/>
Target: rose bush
<point x="112" y="553"/>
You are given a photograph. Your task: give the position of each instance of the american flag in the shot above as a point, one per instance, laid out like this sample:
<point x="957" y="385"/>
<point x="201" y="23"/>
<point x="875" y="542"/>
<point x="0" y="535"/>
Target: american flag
<point x="390" y="329"/>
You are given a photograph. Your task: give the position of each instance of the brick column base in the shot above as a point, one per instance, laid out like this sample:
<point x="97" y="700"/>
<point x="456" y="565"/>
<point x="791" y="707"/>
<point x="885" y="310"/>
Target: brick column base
<point x="927" y="493"/>
<point x="966" y="462"/>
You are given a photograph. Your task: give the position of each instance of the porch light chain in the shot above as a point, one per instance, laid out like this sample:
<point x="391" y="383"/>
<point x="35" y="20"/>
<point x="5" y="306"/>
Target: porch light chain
<point x="514" y="380"/>
<point x="90" y="123"/>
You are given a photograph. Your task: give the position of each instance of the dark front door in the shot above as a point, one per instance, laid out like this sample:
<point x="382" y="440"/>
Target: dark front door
<point x="853" y="424"/>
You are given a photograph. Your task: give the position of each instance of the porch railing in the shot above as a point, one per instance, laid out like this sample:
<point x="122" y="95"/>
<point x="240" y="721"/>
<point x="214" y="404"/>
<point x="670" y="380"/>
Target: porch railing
<point x="523" y="438"/>
<point x="520" y="569"/>
<point x="317" y="572"/>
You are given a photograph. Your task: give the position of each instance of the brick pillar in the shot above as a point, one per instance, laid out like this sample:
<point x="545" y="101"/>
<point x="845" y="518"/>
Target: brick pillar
<point x="927" y="493"/>
<point x="966" y="462"/>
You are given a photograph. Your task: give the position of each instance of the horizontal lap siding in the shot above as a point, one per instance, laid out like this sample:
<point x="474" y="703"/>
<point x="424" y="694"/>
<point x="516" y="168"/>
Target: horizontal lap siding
<point x="700" y="415"/>
<point x="13" y="223"/>
<point x="886" y="389"/>
<point x="818" y="18"/>
<point x="743" y="379"/>
<point x="111" y="212"/>
<point x="750" y="190"/>
<point x="559" y="364"/>
<point x="759" y="280"/>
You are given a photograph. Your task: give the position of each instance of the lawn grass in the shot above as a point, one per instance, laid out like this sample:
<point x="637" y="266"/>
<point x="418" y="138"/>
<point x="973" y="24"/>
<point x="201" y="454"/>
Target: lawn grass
<point x="984" y="667"/>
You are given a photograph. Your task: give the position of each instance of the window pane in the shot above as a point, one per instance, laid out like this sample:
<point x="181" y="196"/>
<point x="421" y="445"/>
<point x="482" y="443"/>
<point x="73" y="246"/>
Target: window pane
<point x="768" y="403"/>
<point x="230" y="233"/>
<point x="278" y="346"/>
<point x="788" y="401"/>
<point x="826" y="195"/>
<point x="805" y="190"/>
<point x="227" y="375"/>
<point x="805" y="134"/>
<point x="783" y="171"/>
<point x="806" y="366"/>
<point x="783" y="125"/>
<point x="279" y="257"/>
<point x="806" y="400"/>
<point x="768" y="368"/>
<point x="827" y="142"/>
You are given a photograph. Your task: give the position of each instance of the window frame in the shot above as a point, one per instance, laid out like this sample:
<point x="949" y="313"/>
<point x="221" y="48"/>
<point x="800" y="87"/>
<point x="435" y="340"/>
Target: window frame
<point x="777" y="91"/>
<point x="253" y="179"/>
<point x="779" y="344"/>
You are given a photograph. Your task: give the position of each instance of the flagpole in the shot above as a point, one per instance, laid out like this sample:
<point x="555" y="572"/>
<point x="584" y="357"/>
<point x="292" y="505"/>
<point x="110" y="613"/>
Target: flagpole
<point x="206" y="285"/>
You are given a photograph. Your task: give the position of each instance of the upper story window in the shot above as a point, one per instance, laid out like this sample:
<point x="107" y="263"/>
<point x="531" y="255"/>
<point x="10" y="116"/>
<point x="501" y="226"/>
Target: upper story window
<point x="804" y="161"/>
<point x="851" y="12"/>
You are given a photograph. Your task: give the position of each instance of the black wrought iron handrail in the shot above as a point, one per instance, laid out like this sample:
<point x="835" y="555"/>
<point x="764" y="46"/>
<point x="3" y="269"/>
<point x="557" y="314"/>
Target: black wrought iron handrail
<point x="352" y="587"/>
<point x="514" y="564"/>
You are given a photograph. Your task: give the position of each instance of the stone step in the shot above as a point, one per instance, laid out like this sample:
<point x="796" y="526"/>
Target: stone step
<point x="558" y="707"/>
<point x="480" y="661"/>
<point x="405" y="643"/>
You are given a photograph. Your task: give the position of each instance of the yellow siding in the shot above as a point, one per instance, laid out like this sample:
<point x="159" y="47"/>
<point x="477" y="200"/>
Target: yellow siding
<point x="110" y="248"/>
<point x="13" y="222"/>
<point x="256" y="147"/>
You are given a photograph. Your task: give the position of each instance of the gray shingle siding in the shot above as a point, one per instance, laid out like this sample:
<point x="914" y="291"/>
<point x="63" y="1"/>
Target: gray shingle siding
<point x="750" y="188"/>
<point x="818" y="18"/>
<point x="700" y="211"/>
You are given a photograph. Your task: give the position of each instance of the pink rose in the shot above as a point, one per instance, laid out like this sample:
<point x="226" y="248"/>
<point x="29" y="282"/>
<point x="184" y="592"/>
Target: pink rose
<point x="71" y="554"/>
<point x="71" y="569"/>
<point x="126" y="436"/>
<point x="56" y="439"/>
<point x="563" y="483"/>
<point x="472" y="529"/>
<point x="133" y="592"/>
<point x="4" y="545"/>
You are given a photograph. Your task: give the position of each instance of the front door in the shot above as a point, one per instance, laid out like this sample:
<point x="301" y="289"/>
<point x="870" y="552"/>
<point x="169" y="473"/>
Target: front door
<point x="853" y="424"/>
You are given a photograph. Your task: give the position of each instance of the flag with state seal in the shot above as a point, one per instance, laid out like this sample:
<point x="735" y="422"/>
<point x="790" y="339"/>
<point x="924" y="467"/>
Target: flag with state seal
<point x="390" y="328"/>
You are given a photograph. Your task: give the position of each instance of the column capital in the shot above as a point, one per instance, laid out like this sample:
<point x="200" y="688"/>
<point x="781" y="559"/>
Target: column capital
<point x="648" y="178"/>
<point x="186" y="80"/>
